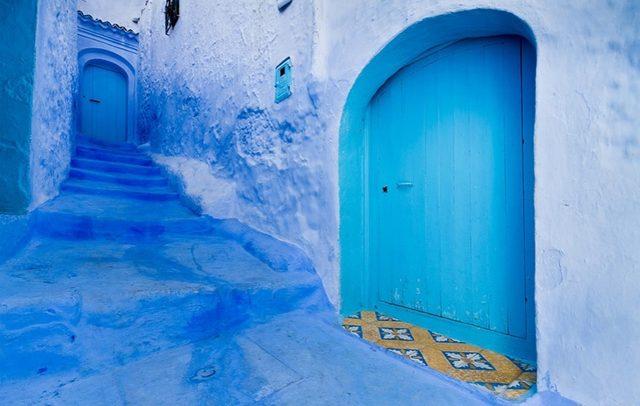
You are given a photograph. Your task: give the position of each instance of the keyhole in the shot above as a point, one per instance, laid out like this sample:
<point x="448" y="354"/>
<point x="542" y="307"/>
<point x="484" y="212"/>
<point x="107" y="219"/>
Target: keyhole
<point x="385" y="189"/>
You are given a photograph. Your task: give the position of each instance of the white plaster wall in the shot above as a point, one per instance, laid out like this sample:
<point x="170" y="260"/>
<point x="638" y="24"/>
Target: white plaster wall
<point x="208" y="97"/>
<point x="121" y="12"/>
<point x="55" y="81"/>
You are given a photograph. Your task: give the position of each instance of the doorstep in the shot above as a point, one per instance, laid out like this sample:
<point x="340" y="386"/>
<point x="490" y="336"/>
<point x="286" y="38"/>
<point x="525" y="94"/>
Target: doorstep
<point x="503" y="376"/>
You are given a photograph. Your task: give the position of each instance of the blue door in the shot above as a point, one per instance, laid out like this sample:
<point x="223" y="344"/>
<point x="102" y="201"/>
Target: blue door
<point x="450" y="191"/>
<point x="103" y="104"/>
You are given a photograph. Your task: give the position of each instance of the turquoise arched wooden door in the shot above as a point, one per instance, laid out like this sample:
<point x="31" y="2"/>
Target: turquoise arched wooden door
<point x="103" y="103"/>
<point x="450" y="194"/>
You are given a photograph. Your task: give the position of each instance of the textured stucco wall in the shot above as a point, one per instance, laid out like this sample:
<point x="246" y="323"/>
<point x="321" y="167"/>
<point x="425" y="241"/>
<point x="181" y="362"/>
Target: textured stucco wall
<point x="207" y="94"/>
<point x="17" y="61"/>
<point x="208" y="99"/>
<point x="121" y="12"/>
<point x="54" y="87"/>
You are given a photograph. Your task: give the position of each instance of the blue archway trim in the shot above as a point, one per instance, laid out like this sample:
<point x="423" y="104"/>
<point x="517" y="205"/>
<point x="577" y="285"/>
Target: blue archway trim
<point x="407" y="46"/>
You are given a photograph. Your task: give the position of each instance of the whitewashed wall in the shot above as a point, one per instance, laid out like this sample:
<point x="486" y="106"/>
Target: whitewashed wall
<point x="208" y="99"/>
<point x="208" y="106"/>
<point x="121" y="12"/>
<point x="55" y="81"/>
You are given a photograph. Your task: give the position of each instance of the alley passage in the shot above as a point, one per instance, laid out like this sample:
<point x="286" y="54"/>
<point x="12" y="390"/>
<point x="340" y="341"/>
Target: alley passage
<point x="124" y="296"/>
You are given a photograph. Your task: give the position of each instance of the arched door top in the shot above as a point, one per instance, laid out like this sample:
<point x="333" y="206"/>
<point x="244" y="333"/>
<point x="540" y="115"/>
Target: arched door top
<point x="421" y="37"/>
<point x="97" y="55"/>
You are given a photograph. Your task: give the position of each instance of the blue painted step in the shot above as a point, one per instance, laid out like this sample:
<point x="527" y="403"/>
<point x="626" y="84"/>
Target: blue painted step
<point x="127" y="191"/>
<point x="83" y="216"/>
<point x="98" y="148"/>
<point x="111" y="156"/>
<point x="114" y="167"/>
<point x="119" y="179"/>
<point x="79" y="227"/>
<point x="124" y="146"/>
<point x="107" y="303"/>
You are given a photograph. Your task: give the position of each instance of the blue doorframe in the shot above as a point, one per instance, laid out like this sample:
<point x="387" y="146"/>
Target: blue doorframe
<point x="357" y="280"/>
<point x="109" y="60"/>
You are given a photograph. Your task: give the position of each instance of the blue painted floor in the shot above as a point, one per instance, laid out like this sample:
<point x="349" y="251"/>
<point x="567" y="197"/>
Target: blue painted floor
<point x="125" y="296"/>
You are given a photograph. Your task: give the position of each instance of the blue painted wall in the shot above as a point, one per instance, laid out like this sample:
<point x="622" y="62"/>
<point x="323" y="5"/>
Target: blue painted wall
<point x="17" y="62"/>
<point x="37" y="80"/>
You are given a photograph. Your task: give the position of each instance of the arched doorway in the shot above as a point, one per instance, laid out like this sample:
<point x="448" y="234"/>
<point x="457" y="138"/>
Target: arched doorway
<point x="439" y="230"/>
<point x="103" y="102"/>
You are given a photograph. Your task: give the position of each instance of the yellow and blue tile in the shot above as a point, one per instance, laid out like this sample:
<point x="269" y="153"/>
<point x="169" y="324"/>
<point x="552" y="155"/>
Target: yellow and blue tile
<point x="504" y="376"/>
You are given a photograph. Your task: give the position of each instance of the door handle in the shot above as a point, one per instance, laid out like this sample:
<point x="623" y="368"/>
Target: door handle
<point x="94" y="100"/>
<point x="404" y="184"/>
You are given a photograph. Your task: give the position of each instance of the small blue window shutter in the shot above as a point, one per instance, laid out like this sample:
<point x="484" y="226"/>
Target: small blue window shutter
<point x="283" y="80"/>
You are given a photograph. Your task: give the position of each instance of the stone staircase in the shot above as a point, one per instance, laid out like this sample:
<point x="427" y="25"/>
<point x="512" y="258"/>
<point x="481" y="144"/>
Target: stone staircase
<point x="117" y="171"/>
<point x="116" y="191"/>
<point x="125" y="296"/>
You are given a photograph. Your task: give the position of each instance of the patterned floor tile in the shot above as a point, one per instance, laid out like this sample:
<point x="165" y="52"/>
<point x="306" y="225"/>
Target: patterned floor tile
<point x="382" y="317"/>
<point x="468" y="360"/>
<point x="357" y="316"/>
<point x="441" y="338"/>
<point x="524" y="367"/>
<point x="391" y="333"/>
<point x="411" y="353"/>
<point x="504" y="376"/>
<point x="357" y="330"/>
